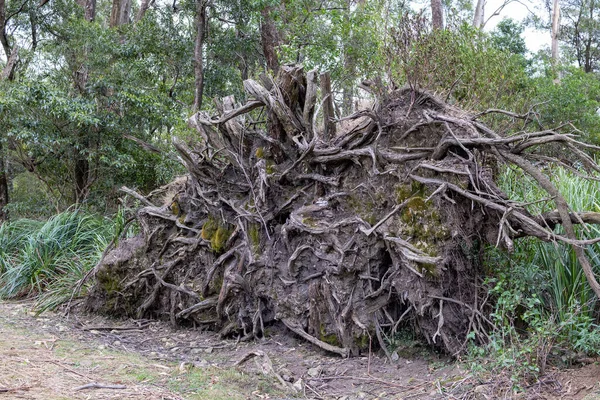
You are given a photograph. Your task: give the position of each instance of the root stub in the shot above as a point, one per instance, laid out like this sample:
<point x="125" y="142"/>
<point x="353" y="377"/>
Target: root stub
<point x="341" y="238"/>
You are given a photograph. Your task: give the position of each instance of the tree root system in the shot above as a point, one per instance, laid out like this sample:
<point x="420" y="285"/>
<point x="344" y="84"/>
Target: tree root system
<point x="344" y="232"/>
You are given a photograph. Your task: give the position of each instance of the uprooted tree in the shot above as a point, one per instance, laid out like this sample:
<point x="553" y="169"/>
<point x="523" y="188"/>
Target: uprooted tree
<point x="335" y="235"/>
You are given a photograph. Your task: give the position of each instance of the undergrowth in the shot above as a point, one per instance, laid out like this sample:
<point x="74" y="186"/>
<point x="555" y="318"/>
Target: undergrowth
<point x="544" y="310"/>
<point x="47" y="259"/>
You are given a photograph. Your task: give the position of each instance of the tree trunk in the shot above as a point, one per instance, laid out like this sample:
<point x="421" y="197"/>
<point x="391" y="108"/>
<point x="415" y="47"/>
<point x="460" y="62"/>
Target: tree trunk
<point x="590" y="42"/>
<point x="479" y="14"/>
<point x="269" y="38"/>
<point x="81" y="169"/>
<point x="8" y="73"/>
<point x="121" y="9"/>
<point x="201" y="31"/>
<point x="555" y="28"/>
<point x="3" y="37"/>
<point x="11" y="64"/>
<point x="328" y="115"/>
<point x="3" y="187"/>
<point x="142" y="11"/>
<point x="90" y="10"/>
<point x="437" y="14"/>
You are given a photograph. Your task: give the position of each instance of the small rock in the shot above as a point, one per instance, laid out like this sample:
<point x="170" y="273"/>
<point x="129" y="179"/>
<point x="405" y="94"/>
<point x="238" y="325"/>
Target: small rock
<point x="196" y="351"/>
<point x="153" y="354"/>
<point x="298" y="385"/>
<point x="116" y="343"/>
<point x="182" y="335"/>
<point x="169" y="344"/>
<point x="286" y="374"/>
<point x="201" y="364"/>
<point x="208" y="350"/>
<point x="362" y="395"/>
<point x="174" y="349"/>
<point x="315" y="372"/>
<point x="193" y="344"/>
<point x="101" y="347"/>
<point x="94" y="332"/>
<point x="395" y="356"/>
<point x="164" y="339"/>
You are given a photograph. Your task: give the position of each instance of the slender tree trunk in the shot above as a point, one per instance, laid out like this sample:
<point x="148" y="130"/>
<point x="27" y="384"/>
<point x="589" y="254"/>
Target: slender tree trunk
<point x="555" y="28"/>
<point x="90" y="10"/>
<point x="269" y="38"/>
<point x="201" y="30"/>
<point x="479" y="14"/>
<point x="81" y="169"/>
<point x="142" y="11"/>
<point x="328" y="115"/>
<point x="437" y="14"/>
<point x="3" y="37"/>
<point x="121" y="10"/>
<point x="588" y="45"/>
<point x="3" y="186"/>
<point x="7" y="74"/>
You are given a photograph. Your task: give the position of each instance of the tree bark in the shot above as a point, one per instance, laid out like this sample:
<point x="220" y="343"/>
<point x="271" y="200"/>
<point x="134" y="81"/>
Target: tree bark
<point x="479" y="14"/>
<point x="7" y="74"/>
<point x="81" y="170"/>
<point x="142" y="11"/>
<point x="269" y="38"/>
<point x="437" y="14"/>
<point x="201" y="31"/>
<point x="555" y="28"/>
<point x="3" y="37"/>
<point x="328" y="116"/>
<point x="121" y="10"/>
<point x="89" y="7"/>
<point x="11" y="64"/>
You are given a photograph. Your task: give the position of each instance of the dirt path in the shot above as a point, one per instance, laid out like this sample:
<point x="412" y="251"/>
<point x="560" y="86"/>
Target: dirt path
<point x="49" y="357"/>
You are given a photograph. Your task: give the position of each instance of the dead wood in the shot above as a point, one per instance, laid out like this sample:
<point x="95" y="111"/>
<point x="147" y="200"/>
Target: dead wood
<point x="339" y="233"/>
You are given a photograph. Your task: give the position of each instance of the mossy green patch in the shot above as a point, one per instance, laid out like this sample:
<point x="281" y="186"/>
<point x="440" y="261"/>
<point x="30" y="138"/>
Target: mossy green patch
<point x="175" y="209"/>
<point x="260" y="152"/>
<point x="219" y="239"/>
<point x="270" y="167"/>
<point x="217" y="233"/>
<point x="331" y="338"/>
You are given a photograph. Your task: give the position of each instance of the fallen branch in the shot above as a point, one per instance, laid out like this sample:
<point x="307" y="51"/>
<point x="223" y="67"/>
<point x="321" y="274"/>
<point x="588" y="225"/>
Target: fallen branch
<point x="95" y="385"/>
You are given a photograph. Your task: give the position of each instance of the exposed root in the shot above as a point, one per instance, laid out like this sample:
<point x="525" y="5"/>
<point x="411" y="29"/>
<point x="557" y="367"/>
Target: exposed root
<point x="337" y="235"/>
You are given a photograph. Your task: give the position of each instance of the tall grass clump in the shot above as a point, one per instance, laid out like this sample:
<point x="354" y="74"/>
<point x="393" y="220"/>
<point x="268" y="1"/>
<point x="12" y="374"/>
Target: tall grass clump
<point x="47" y="259"/>
<point x="545" y="310"/>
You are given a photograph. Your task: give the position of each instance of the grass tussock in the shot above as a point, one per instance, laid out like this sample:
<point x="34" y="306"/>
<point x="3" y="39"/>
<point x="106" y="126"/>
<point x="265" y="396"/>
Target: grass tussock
<point x="47" y="259"/>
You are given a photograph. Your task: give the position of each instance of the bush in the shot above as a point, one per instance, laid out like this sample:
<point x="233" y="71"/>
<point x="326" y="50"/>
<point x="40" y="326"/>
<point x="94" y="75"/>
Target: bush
<point x="47" y="259"/>
<point x="544" y="308"/>
<point x="463" y="64"/>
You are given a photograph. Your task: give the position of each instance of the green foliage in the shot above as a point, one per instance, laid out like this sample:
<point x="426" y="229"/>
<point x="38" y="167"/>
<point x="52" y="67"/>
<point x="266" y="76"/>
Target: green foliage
<point x="508" y="37"/>
<point x="574" y="100"/>
<point x="464" y="65"/>
<point x="49" y="258"/>
<point x="544" y="308"/>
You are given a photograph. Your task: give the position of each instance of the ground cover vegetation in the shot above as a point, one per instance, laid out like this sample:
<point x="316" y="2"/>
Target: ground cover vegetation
<point x="94" y="93"/>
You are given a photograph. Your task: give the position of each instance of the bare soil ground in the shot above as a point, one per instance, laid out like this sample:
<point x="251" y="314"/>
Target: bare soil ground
<point x="52" y="356"/>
